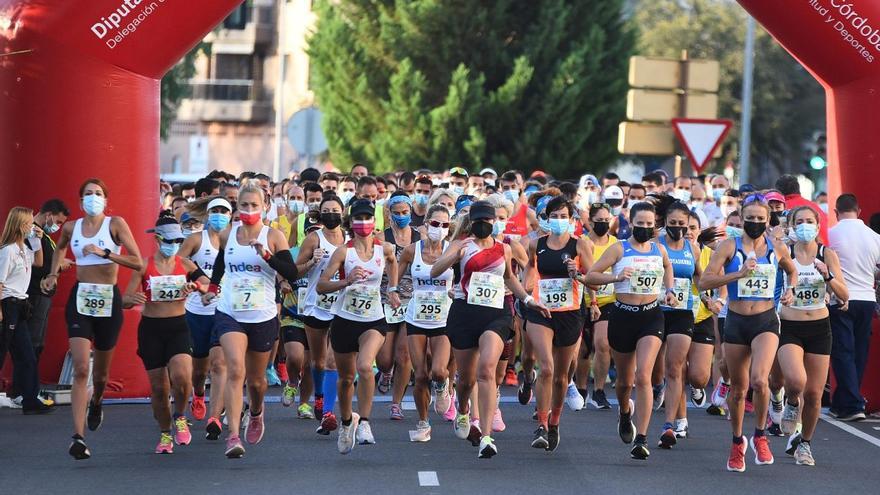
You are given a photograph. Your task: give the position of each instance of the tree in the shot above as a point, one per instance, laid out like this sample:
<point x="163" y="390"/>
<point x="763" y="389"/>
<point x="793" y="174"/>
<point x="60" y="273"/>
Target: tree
<point x="405" y="84"/>
<point x="175" y="86"/>
<point x="788" y="103"/>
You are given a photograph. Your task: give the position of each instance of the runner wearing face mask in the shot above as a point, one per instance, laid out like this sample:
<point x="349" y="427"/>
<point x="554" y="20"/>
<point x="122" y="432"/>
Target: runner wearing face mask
<point x="603" y="300"/>
<point x="164" y="341"/>
<point x="94" y="310"/>
<point x="421" y="197"/>
<point x="202" y="249"/>
<point x="805" y="342"/>
<point x="313" y="195"/>
<point x="751" y="329"/>
<point x="426" y="321"/>
<point x="458" y="178"/>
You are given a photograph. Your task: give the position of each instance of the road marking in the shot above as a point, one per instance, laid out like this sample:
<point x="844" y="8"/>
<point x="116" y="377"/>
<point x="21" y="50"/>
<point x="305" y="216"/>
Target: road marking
<point x="853" y="431"/>
<point x="876" y="427"/>
<point x="408" y="406"/>
<point x="428" y="478"/>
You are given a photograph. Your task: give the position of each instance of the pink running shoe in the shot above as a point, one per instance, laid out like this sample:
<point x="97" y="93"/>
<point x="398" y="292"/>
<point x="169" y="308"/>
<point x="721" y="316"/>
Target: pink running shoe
<point x="182" y="435"/>
<point x="199" y="410"/>
<point x="498" y="422"/>
<point x="254" y="429"/>
<point x="166" y="446"/>
<point x="234" y="448"/>
<point x="450" y="413"/>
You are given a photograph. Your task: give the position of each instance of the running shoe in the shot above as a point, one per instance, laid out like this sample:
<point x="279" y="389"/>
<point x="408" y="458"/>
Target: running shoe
<point x="213" y="429"/>
<point x="680" y="428"/>
<point x="776" y="406"/>
<point x="254" y="428"/>
<point x="345" y="443"/>
<point x="540" y="440"/>
<point x="736" y="461"/>
<point x="396" y="412"/>
<point x="659" y="395"/>
<point x="524" y="394"/>
<point x="852" y="416"/>
<point x="288" y="395"/>
<point x="198" y="408"/>
<point x="698" y="397"/>
<point x="79" y="450"/>
<point x="749" y="407"/>
<point x="498" y="421"/>
<point x="234" y="448"/>
<point x="714" y="410"/>
<point x="304" y="411"/>
<point x="364" y="434"/>
<point x="599" y="400"/>
<point x="639" y="451"/>
<point x="792" y="444"/>
<point x="450" y="412"/>
<point x="573" y="399"/>
<point x="790" y="418"/>
<point x="319" y="407"/>
<point x="553" y="438"/>
<point x="166" y="445"/>
<point x="625" y="427"/>
<point x="803" y="456"/>
<point x="773" y="429"/>
<point x="384" y="383"/>
<point x="510" y="377"/>
<point x="442" y="399"/>
<point x="96" y="416"/>
<point x="667" y="438"/>
<point x="762" y="450"/>
<point x="487" y="448"/>
<point x="422" y="433"/>
<point x="181" y="431"/>
<point x="475" y="433"/>
<point x="719" y="394"/>
<point x="328" y="424"/>
<point x="272" y="377"/>
<point x="461" y="427"/>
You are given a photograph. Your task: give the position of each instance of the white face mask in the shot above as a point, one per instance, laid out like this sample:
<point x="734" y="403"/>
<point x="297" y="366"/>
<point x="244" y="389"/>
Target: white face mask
<point x="278" y="202"/>
<point x="682" y="195"/>
<point x="437" y="234"/>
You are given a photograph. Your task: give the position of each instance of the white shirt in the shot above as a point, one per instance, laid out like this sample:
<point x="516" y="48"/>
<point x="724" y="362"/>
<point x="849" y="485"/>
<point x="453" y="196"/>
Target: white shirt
<point x="15" y="271"/>
<point x="858" y="248"/>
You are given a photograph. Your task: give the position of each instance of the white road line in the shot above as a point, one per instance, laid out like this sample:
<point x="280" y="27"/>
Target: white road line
<point x="849" y="429"/>
<point x="428" y="478"/>
<point x="876" y="427"/>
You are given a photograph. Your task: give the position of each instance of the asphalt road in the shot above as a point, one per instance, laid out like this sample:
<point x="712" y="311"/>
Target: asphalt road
<point x="293" y="459"/>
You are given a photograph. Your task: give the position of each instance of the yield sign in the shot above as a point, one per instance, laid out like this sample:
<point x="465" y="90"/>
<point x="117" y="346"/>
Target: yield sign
<point x="700" y="138"/>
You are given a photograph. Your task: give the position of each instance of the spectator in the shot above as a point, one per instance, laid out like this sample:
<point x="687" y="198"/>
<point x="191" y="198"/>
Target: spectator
<point x="309" y="175"/>
<point x="858" y="248"/>
<point x="188" y="191"/>
<point x="207" y="187"/>
<point x="359" y="170"/>
<point x="788" y="185"/>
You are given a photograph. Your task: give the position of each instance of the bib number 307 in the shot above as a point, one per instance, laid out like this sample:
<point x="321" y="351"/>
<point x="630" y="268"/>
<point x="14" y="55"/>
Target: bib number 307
<point x="486" y="289"/>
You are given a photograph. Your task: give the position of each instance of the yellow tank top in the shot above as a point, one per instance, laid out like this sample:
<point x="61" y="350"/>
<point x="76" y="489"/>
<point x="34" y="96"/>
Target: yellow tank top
<point x="598" y="251"/>
<point x="283" y="224"/>
<point x="703" y="311"/>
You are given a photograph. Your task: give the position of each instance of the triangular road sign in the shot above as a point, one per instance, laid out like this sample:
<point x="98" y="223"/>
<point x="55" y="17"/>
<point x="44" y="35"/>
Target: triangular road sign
<point x="700" y="138"/>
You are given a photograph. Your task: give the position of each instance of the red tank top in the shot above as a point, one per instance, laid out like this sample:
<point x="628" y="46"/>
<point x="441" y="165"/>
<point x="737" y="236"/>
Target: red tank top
<point x="152" y="271"/>
<point x="518" y="224"/>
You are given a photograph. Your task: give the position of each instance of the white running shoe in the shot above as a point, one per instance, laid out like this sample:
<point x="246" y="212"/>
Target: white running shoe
<point x="365" y="434"/>
<point x="680" y="427"/>
<point x="461" y="426"/>
<point x="791" y="417"/>
<point x="422" y="433"/>
<point x="573" y="398"/>
<point x="487" y="448"/>
<point x="442" y="399"/>
<point x="776" y="406"/>
<point x="345" y="443"/>
<point x="698" y="397"/>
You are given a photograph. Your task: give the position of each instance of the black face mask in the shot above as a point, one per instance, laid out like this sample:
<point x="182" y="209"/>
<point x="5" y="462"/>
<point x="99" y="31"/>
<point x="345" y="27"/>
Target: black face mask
<point x="774" y="218"/>
<point x="643" y="234"/>
<point x="675" y="233"/>
<point x="754" y="229"/>
<point x="601" y="228"/>
<point x="481" y="230"/>
<point x="331" y="220"/>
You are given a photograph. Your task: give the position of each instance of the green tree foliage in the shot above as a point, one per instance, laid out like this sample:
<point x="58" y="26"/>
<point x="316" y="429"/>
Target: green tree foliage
<point x="406" y="84"/>
<point x="175" y="86"/>
<point x="788" y="103"/>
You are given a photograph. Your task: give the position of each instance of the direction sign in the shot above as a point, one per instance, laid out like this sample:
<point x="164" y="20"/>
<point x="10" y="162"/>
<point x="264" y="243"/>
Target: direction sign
<point x="700" y="138"/>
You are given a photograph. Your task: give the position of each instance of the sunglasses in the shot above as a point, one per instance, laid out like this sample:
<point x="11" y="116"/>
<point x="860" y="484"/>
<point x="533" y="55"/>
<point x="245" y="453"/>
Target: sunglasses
<point x="171" y="241"/>
<point x="458" y="170"/>
<point x="435" y="224"/>
<point x="755" y="198"/>
<point x="600" y="205"/>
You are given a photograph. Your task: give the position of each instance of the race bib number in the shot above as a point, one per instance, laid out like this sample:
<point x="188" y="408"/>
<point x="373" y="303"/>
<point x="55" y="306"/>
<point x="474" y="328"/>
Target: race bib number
<point x="810" y="291"/>
<point x="248" y="294"/>
<point x="394" y="316"/>
<point x="94" y="300"/>
<point x="646" y="278"/>
<point x="486" y="289"/>
<point x="167" y="288"/>
<point x="556" y="293"/>
<point x="301" y="293"/>
<point x="760" y="283"/>
<point x="363" y="301"/>
<point x="430" y="306"/>
<point x="606" y="290"/>
<point x="326" y="301"/>
<point x="681" y="289"/>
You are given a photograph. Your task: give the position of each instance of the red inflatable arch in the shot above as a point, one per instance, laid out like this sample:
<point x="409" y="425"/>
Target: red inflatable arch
<point x="838" y="41"/>
<point x="80" y="98"/>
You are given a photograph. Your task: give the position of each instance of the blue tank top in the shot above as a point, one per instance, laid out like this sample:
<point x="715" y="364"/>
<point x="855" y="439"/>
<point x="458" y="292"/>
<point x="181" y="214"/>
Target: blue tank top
<point x="761" y="284"/>
<point x="683" y="268"/>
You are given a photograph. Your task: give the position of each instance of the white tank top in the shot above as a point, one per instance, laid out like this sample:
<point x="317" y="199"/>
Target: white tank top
<point x="809" y="294"/>
<point x="248" y="289"/>
<point x="429" y="305"/>
<point x="103" y="239"/>
<point x="319" y="305"/>
<point x="362" y="301"/>
<point x="203" y="258"/>
<point x="647" y="277"/>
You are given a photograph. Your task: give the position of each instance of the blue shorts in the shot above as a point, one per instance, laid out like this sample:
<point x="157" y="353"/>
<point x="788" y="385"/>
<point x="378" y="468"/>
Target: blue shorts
<point x="204" y="336"/>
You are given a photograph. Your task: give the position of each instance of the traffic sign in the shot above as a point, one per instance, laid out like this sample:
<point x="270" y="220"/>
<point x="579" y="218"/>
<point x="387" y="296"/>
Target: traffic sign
<point x="642" y="138"/>
<point x="700" y="138"/>
<point x="304" y="132"/>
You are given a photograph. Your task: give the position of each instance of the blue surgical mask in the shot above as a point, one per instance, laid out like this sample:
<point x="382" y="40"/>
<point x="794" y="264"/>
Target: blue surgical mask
<point x="93" y="204"/>
<point x="717" y="194"/>
<point x="733" y="232"/>
<point x="168" y="250"/>
<point x="296" y="205"/>
<point x="498" y="227"/>
<point x="421" y="199"/>
<point x="218" y="221"/>
<point x="615" y="210"/>
<point x="806" y="232"/>
<point x="402" y="221"/>
<point x="51" y="228"/>
<point x="512" y="195"/>
<point x="559" y="226"/>
<point x="544" y="224"/>
<point x="682" y="195"/>
<point x="459" y="190"/>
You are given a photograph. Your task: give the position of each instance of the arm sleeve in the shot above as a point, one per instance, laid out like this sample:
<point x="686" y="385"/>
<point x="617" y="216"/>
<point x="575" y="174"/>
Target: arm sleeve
<point x="195" y="275"/>
<point x="282" y="262"/>
<point x="219" y="268"/>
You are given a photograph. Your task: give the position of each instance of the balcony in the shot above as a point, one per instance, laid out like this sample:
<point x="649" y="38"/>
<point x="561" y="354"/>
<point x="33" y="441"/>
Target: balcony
<point x="244" y="32"/>
<point x="225" y="100"/>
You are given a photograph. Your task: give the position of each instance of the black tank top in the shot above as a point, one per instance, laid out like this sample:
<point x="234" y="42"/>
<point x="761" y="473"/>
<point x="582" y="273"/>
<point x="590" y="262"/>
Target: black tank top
<point x="550" y="261"/>
<point x="414" y="236"/>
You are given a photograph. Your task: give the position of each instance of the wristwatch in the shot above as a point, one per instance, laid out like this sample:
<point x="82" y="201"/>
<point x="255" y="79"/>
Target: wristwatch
<point x="392" y="289"/>
<point x="106" y="254"/>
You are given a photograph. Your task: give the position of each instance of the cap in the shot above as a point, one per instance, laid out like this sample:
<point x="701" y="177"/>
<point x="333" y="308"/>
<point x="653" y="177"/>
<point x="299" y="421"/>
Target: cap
<point x="219" y="202"/>
<point x="587" y="178"/>
<point x="538" y="173"/>
<point x="775" y="196"/>
<point x="481" y="210"/>
<point x="488" y="170"/>
<point x="613" y="192"/>
<point x="747" y="188"/>
<point x="541" y="205"/>
<point x="168" y="231"/>
<point x="362" y="207"/>
<point x="310" y="224"/>
<point x="463" y="201"/>
<point x="186" y="217"/>
<point x="458" y="172"/>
